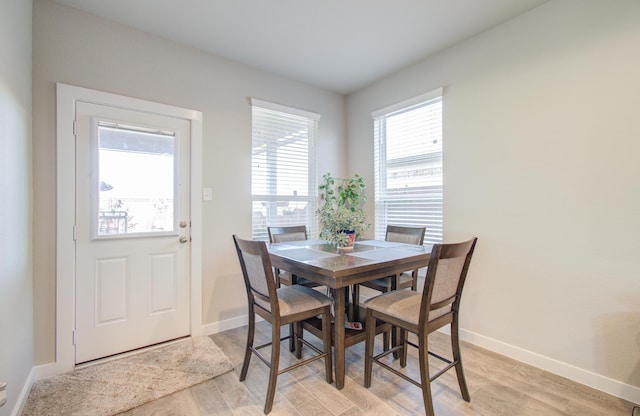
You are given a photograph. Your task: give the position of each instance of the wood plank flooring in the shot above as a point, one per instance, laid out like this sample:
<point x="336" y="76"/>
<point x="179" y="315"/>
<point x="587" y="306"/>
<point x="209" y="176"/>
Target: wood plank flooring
<point x="498" y="385"/>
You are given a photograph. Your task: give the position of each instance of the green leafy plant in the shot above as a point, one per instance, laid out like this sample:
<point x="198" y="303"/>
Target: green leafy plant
<point x="341" y="211"/>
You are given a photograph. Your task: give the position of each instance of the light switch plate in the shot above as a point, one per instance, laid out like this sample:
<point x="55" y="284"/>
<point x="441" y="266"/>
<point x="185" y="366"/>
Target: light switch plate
<point x="207" y="194"/>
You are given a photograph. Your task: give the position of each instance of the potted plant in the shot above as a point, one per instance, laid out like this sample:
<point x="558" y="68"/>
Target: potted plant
<point x="341" y="215"/>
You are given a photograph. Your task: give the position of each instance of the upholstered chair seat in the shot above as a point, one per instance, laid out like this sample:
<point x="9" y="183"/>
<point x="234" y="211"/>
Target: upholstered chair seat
<point x="405" y="305"/>
<point x="293" y="300"/>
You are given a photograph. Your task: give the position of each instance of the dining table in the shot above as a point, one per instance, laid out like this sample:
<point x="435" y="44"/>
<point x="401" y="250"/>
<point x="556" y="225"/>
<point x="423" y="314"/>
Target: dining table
<point x="339" y="269"/>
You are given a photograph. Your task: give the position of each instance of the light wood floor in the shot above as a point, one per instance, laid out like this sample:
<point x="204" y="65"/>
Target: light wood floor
<point x="499" y="387"/>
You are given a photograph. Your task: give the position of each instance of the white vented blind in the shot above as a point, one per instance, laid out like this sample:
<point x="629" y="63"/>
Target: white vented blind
<point x="408" y="166"/>
<point x="283" y="175"/>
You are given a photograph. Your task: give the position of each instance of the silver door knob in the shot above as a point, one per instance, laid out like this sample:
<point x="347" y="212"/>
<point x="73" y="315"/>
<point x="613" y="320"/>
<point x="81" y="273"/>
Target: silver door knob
<point x="183" y="239"/>
<point x="183" y="224"/>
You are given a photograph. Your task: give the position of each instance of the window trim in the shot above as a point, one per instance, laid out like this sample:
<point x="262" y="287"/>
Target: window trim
<point x="255" y="102"/>
<point x="407" y="104"/>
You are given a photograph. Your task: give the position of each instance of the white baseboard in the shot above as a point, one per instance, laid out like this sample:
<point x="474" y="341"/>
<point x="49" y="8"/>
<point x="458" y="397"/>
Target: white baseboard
<point x="24" y="394"/>
<point x="215" y="327"/>
<point x="579" y="375"/>
<point x="47" y="370"/>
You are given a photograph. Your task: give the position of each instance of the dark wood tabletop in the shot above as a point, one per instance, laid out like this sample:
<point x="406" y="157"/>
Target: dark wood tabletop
<point x="323" y="263"/>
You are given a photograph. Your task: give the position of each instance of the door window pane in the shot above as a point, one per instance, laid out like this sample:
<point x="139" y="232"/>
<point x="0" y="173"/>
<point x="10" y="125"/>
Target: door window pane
<point x="135" y="181"/>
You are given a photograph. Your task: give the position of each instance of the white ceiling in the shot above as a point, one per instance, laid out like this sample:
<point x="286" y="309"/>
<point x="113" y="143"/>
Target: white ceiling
<point x="340" y="45"/>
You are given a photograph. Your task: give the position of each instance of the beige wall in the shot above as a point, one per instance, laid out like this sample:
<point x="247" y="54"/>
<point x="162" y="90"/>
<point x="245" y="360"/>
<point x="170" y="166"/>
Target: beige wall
<point x="16" y="316"/>
<point x="541" y="144"/>
<point x="79" y="49"/>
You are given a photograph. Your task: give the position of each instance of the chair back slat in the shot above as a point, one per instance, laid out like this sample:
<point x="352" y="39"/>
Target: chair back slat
<point x="257" y="272"/>
<point x="408" y="235"/>
<point x="292" y="233"/>
<point x="446" y="273"/>
<point x="446" y="280"/>
<point x="281" y="238"/>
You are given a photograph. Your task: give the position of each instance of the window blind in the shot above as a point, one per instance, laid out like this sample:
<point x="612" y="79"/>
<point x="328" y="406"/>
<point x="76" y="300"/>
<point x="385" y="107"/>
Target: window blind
<point x="408" y="166"/>
<point x="283" y="185"/>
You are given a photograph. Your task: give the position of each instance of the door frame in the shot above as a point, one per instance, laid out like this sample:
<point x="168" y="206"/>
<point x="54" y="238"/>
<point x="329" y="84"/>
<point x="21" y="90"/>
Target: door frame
<point x="66" y="98"/>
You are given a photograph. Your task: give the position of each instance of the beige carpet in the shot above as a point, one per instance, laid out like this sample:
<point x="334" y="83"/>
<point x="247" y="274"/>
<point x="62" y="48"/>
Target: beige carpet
<point x="117" y="386"/>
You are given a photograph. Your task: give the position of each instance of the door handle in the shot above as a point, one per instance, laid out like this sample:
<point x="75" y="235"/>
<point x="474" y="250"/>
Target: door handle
<point x="183" y="239"/>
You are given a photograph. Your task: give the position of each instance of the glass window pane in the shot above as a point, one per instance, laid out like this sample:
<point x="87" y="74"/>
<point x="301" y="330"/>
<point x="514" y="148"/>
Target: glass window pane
<point x="135" y="181"/>
<point x="283" y="186"/>
<point x="408" y="169"/>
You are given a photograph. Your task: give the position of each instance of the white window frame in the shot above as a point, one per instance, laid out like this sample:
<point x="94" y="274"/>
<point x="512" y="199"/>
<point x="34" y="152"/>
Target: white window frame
<point x="426" y="161"/>
<point x="263" y="218"/>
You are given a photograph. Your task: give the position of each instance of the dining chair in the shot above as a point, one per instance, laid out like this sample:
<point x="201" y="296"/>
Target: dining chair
<point x="422" y="313"/>
<point x="284" y="234"/>
<point x="397" y="234"/>
<point x="279" y="306"/>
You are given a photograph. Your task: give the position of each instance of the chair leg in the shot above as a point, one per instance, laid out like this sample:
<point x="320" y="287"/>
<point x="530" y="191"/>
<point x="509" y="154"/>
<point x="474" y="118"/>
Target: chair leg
<point x="292" y="339"/>
<point x="385" y="340"/>
<point x="368" y="348"/>
<point x="346" y="299"/>
<point x="355" y="296"/>
<point x="423" y="352"/>
<point x="299" y="335"/>
<point x="457" y="358"/>
<point x="326" y="340"/>
<point x="402" y="340"/>
<point x="275" y="363"/>
<point x="390" y="337"/>
<point x="247" y="351"/>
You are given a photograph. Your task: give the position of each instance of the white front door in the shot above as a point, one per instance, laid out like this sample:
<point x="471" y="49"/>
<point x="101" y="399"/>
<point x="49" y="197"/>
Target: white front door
<point x="132" y="230"/>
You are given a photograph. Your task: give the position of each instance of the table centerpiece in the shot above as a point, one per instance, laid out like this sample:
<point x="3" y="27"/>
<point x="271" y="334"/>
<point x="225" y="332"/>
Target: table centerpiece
<point x="341" y="215"/>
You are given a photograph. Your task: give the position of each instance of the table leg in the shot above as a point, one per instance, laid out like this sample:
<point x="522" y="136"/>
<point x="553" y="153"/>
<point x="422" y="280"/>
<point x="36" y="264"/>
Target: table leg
<point x="339" y="334"/>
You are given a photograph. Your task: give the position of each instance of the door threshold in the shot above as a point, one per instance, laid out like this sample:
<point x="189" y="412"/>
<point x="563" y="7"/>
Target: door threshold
<point x="125" y="354"/>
